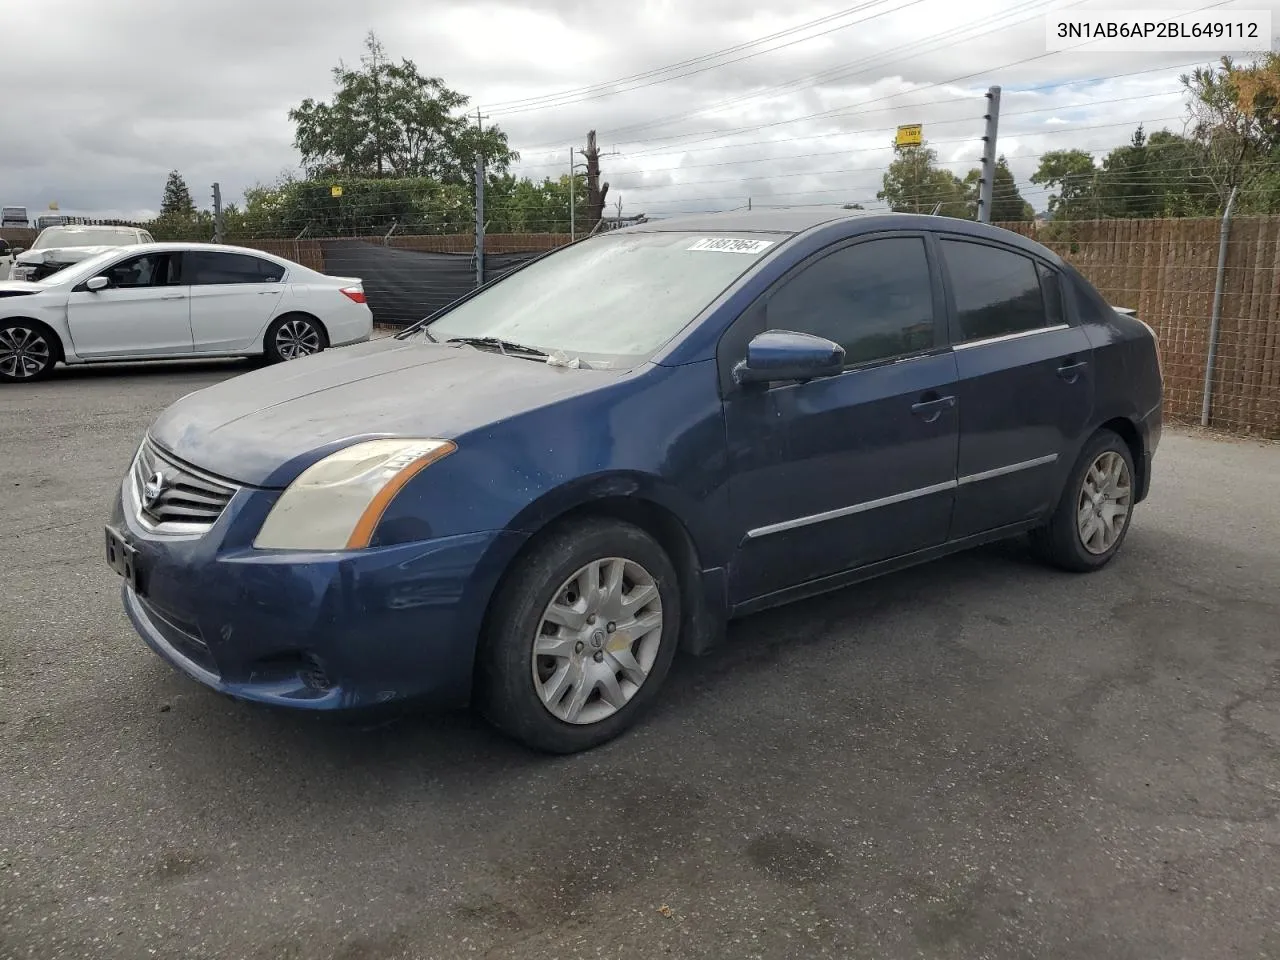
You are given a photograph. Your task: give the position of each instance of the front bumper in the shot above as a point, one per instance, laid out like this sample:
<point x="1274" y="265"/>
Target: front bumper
<point x="318" y="631"/>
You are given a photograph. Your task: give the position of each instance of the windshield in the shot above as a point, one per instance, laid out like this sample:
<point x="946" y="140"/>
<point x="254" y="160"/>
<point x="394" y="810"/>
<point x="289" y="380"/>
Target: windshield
<point x="616" y="298"/>
<point x="100" y="237"/>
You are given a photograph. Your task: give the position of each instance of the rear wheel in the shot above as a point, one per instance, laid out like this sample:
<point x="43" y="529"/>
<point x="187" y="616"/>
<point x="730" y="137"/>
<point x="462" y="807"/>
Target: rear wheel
<point x="27" y="351"/>
<point x="580" y="638"/>
<point x="1093" y="516"/>
<point x="292" y="336"/>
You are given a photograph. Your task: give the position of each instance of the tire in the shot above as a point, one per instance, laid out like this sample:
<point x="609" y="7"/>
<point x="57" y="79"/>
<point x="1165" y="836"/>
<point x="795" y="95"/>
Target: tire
<point x="28" y="351"/>
<point x="1094" y="510"/>
<point x="293" y="335"/>
<point x="540" y="701"/>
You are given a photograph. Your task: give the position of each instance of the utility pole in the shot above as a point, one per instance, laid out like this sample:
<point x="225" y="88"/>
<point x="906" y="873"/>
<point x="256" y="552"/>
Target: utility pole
<point x="480" y="221"/>
<point x="987" y="183"/>
<point x="217" y="213"/>
<point x="573" y="195"/>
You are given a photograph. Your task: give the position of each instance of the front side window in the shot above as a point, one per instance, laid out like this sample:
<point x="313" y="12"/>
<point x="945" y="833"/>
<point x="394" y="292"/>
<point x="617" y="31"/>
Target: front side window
<point x="874" y="298"/>
<point x="148" y="270"/>
<point x="613" y="298"/>
<point x="997" y="292"/>
<point x="205" y="267"/>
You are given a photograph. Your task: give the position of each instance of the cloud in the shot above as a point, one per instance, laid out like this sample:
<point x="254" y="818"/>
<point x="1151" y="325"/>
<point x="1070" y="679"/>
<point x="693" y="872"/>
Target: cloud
<point x="104" y="99"/>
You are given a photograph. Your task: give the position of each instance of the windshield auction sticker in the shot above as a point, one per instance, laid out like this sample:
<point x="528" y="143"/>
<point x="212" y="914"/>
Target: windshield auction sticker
<point x="730" y="245"/>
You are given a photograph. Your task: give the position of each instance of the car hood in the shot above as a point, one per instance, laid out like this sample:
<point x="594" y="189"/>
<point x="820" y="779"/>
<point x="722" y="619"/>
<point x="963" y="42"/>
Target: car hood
<point x="264" y="428"/>
<point x="62" y="254"/>
<point x="14" y="288"/>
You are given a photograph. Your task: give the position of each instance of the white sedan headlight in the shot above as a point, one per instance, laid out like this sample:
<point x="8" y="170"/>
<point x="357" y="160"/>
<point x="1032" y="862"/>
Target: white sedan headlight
<point x="336" y="504"/>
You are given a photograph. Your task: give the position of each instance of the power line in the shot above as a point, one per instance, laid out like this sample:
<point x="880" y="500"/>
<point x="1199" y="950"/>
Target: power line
<point x="583" y="94"/>
<point x="845" y="71"/>
<point x="813" y="80"/>
<point x="707" y="136"/>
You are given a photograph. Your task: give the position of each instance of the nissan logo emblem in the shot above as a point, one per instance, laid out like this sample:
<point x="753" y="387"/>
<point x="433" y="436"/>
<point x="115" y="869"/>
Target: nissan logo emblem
<point x="152" y="489"/>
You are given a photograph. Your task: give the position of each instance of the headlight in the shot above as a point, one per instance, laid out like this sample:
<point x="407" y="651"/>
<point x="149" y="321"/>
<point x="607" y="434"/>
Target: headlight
<point x="336" y="504"/>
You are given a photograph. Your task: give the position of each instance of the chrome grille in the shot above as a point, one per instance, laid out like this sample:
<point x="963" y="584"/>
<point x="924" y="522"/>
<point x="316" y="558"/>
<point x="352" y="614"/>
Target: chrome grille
<point x="180" y="494"/>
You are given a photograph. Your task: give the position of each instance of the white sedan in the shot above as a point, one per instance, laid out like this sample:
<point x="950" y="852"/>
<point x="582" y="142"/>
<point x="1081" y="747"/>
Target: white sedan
<point x="174" y="301"/>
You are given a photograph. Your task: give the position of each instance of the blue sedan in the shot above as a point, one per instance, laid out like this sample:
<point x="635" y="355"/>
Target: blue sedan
<point x="532" y="500"/>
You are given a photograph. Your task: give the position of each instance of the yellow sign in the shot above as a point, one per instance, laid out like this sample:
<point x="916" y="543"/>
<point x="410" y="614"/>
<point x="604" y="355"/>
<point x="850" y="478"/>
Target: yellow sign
<point x="53" y="205"/>
<point x="908" y="136"/>
<point x="335" y="191"/>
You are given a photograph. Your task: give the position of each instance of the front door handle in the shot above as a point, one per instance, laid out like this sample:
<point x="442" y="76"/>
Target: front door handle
<point x="1071" y="369"/>
<point x="931" y="406"/>
<point x="173" y="296"/>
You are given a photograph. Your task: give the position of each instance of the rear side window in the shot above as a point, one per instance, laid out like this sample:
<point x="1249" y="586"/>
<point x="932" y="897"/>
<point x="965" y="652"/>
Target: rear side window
<point x="874" y="298"/>
<point x="996" y="292"/>
<point x="1054" y="307"/>
<point x="203" y="267"/>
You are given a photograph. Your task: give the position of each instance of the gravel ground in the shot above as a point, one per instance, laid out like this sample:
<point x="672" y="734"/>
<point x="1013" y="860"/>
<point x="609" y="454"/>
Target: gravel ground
<point x="978" y="758"/>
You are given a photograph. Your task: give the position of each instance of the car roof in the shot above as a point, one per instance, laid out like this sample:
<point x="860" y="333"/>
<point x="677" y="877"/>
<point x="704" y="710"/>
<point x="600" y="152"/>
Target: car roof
<point x="794" y="221"/>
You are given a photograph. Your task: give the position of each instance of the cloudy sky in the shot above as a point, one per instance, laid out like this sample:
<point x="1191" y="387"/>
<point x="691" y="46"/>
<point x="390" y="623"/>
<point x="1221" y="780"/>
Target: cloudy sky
<point x="103" y="99"/>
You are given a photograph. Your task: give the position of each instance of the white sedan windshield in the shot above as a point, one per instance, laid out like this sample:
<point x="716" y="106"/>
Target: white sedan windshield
<point x="616" y="296"/>
<point x="102" y="237"/>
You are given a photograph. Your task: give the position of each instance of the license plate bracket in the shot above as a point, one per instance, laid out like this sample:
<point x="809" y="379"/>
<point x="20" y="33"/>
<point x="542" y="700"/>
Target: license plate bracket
<point x="123" y="559"/>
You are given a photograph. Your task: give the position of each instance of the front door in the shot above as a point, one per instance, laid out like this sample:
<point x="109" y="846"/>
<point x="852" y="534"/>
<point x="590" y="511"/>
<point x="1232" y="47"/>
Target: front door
<point x="233" y="296"/>
<point x="142" y="312"/>
<point x="844" y="471"/>
<point x="1026" y="384"/>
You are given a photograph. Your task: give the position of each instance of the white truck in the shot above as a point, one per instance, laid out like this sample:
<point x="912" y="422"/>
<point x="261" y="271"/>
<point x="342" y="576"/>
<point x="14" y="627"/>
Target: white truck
<point x="59" y="247"/>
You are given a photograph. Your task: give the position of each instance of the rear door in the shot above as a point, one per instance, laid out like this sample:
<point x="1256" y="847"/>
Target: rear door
<point x="847" y="470"/>
<point x="144" y="311"/>
<point x="233" y="296"/>
<point x="1025" y="383"/>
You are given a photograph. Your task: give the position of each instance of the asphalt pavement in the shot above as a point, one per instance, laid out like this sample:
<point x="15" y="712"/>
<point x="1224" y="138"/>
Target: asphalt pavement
<point x="977" y="758"/>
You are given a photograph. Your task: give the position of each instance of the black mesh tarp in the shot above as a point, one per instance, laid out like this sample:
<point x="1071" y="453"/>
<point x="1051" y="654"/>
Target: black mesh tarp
<point x="403" y="286"/>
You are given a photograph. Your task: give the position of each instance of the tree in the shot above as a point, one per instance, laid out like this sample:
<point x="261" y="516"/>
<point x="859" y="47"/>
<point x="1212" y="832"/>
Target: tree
<point x="387" y="119"/>
<point x="1073" y="175"/>
<point x="1007" y="203"/>
<point x="914" y="184"/>
<point x="176" y="205"/>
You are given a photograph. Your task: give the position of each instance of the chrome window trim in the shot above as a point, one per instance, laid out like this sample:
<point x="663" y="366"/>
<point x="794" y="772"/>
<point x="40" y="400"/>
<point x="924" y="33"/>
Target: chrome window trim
<point x="868" y="505"/>
<point x="970" y="344"/>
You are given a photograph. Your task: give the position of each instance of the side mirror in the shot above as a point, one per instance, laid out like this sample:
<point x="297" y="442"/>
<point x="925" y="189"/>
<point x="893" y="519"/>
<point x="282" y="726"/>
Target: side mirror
<point x="95" y="284"/>
<point x="783" y="355"/>
<point x="16" y="250"/>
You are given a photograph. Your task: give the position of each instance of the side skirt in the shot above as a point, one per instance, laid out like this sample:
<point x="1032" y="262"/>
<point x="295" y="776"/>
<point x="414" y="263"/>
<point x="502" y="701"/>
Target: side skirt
<point x="847" y="578"/>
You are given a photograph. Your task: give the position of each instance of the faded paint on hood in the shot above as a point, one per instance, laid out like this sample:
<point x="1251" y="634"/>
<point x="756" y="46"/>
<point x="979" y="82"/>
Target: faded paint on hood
<point x="265" y="427"/>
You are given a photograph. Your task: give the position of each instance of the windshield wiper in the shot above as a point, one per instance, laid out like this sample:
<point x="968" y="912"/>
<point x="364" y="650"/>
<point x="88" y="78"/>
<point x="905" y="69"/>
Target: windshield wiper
<point x="504" y="346"/>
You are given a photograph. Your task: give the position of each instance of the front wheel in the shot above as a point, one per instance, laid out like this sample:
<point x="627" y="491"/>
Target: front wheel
<point x="292" y="336"/>
<point x="1093" y="516"/>
<point x="580" y="638"/>
<point x="26" y="352"/>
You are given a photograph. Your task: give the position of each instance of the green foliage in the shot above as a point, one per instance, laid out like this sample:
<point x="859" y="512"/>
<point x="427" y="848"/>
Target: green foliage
<point x="388" y="120"/>
<point x="915" y="184"/>
<point x="176" y="203"/>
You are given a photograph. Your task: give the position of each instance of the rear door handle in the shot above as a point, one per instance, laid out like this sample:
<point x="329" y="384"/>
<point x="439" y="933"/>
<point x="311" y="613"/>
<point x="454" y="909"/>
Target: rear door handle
<point x="1071" y="369"/>
<point x="174" y="296"/>
<point x="931" y="409"/>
